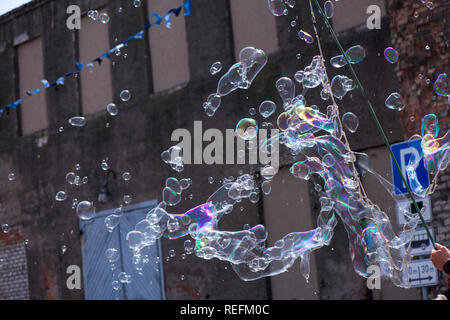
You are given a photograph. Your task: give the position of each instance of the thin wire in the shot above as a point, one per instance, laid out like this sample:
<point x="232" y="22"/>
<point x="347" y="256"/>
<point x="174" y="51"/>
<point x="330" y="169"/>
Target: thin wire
<point x="377" y="121"/>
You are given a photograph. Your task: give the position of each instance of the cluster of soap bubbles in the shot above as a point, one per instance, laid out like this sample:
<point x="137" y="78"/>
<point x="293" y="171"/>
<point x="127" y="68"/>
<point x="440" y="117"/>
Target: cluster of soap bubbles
<point x="317" y="138"/>
<point x="240" y="75"/>
<point x="95" y="15"/>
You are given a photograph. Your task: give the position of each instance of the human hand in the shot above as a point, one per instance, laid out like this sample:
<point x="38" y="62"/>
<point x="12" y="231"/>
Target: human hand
<point x="440" y="256"/>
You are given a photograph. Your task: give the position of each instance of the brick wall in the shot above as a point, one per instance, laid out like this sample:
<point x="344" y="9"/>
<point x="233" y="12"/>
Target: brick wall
<point x="13" y="267"/>
<point x="414" y="27"/>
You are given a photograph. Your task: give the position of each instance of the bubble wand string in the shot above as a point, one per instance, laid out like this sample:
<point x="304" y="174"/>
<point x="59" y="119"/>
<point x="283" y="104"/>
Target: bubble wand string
<point x="374" y="116"/>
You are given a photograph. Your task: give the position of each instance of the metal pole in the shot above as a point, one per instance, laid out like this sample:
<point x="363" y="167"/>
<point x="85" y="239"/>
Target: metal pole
<point x="424" y="293"/>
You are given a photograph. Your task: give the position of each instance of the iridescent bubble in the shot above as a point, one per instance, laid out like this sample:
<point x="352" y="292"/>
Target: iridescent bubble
<point x="112" y="109"/>
<point x="127" y="199"/>
<point x="329" y="9"/>
<point x="104" y="18"/>
<point x="5" y="228"/>
<point x="137" y="3"/>
<point x="185" y="183"/>
<point x="63" y="249"/>
<point x="267" y="108"/>
<point x="266" y="187"/>
<point x="305" y="36"/>
<point x="115" y="285"/>
<point x="126" y="176"/>
<point x="338" y="61"/>
<point x="247" y="128"/>
<point x="268" y="172"/>
<point x="70" y="178"/>
<point x="104" y="165"/>
<point x="11" y="177"/>
<point x="112" y="221"/>
<point x="252" y="111"/>
<point x="172" y="253"/>
<point x="93" y="14"/>
<point x="430" y="125"/>
<point x="61" y="196"/>
<point x="355" y="54"/>
<point x="85" y="210"/>
<point x="188" y="247"/>
<point x="441" y="85"/>
<point x="77" y="121"/>
<point x="391" y="55"/>
<point x="215" y="68"/>
<point x="350" y="121"/>
<point x="112" y="254"/>
<point x="125" y="95"/>
<point x="395" y="102"/>
<point x="277" y="7"/>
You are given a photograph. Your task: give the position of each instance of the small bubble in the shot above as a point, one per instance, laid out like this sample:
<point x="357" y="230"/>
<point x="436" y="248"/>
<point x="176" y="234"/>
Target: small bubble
<point x="11" y="177"/>
<point x="104" y="18"/>
<point x="127" y="199"/>
<point x="61" y="196"/>
<point x="126" y="176"/>
<point x="5" y="228"/>
<point x="125" y="95"/>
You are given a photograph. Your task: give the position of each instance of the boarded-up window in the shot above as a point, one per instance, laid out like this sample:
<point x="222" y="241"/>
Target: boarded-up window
<point x="288" y="209"/>
<point x="253" y="25"/>
<point x="96" y="87"/>
<point x="168" y="48"/>
<point x="353" y="13"/>
<point x="101" y="276"/>
<point x="31" y="72"/>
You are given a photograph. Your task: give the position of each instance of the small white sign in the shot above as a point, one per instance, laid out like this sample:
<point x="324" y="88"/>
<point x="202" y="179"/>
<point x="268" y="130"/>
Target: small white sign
<point x="406" y="207"/>
<point x="421" y="244"/>
<point x="422" y="273"/>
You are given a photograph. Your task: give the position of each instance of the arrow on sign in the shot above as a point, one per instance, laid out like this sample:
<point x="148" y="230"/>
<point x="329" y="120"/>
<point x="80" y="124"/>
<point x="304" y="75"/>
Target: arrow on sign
<point x="420" y="279"/>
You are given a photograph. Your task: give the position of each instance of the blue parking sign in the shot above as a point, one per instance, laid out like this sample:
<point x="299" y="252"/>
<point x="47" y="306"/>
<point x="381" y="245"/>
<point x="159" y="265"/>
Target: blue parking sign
<point x="402" y="153"/>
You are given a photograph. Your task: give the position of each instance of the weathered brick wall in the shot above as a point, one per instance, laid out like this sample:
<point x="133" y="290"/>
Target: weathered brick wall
<point x="13" y="267"/>
<point x="421" y="37"/>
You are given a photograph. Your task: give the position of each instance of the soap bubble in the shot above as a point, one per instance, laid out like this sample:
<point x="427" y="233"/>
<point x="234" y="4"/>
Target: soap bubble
<point x="215" y="68"/>
<point x="11" y="177"/>
<point x="267" y="108"/>
<point x="85" y="210"/>
<point x="104" y="18"/>
<point x="277" y="7"/>
<point x="126" y="176"/>
<point x="112" y="254"/>
<point x="355" y="54"/>
<point x="137" y="3"/>
<point x="77" y="121"/>
<point x="391" y="55"/>
<point x="266" y="187"/>
<point x="112" y="109"/>
<point x="329" y="9"/>
<point x="441" y="85"/>
<point x="350" y="121"/>
<point x="338" y="61"/>
<point x="70" y="178"/>
<point x="61" y="196"/>
<point x="5" y="228"/>
<point x="112" y="221"/>
<point x="305" y="36"/>
<point x="125" y="95"/>
<point x="247" y="129"/>
<point x="395" y="102"/>
<point x="93" y="14"/>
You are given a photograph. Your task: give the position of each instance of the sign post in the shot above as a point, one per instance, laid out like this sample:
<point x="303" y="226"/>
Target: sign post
<point x="421" y="272"/>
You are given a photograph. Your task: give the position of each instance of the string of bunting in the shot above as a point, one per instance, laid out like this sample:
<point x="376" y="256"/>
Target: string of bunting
<point x="167" y="19"/>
